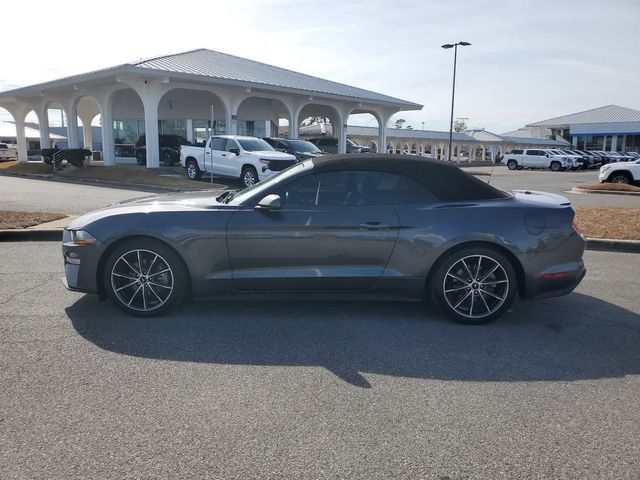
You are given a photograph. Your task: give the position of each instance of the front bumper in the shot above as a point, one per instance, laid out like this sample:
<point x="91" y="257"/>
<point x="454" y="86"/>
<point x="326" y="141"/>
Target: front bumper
<point x="80" y="265"/>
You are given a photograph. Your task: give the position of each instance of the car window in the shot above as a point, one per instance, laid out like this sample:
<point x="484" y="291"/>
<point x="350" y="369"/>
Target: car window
<point x="353" y="188"/>
<point x="516" y="152"/>
<point x="255" y="145"/>
<point x="230" y="144"/>
<point x="533" y="152"/>
<point x="218" y="144"/>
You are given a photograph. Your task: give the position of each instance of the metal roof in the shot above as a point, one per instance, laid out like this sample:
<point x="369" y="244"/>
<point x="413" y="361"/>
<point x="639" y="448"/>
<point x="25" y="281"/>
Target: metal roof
<point x="8" y="130"/>
<point x="606" y="114"/>
<point x="209" y="63"/>
<point x="361" y="131"/>
<point x="482" y="135"/>
<point x="535" y="141"/>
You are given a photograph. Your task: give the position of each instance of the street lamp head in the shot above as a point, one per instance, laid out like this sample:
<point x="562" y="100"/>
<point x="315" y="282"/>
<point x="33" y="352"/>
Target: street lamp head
<point x="464" y="44"/>
<point x="447" y="45"/>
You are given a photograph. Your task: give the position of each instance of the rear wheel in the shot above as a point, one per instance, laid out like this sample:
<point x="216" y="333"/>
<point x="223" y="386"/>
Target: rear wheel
<point x="193" y="171"/>
<point x="512" y="165"/>
<point x="144" y="277"/>
<point x="555" y="166"/>
<point x="474" y="285"/>
<point x="249" y="176"/>
<point x="619" y="178"/>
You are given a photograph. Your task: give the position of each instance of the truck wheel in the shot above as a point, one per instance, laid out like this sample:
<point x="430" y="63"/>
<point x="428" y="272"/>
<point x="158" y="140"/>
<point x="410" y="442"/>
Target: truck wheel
<point x="193" y="171"/>
<point x="166" y="159"/>
<point x="249" y="176"/>
<point x="555" y="166"/>
<point x="512" y="165"/>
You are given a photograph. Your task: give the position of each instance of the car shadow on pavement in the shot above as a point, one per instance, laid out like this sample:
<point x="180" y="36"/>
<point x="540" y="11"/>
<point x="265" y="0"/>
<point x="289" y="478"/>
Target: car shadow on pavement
<point x="563" y="339"/>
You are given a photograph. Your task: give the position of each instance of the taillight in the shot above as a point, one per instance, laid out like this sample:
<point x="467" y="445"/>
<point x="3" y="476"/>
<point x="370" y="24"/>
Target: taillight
<point x="575" y="227"/>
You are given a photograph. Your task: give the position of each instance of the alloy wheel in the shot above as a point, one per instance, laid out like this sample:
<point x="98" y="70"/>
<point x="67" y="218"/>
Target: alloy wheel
<point x="249" y="178"/>
<point x="142" y="280"/>
<point x="476" y="286"/>
<point x="191" y="171"/>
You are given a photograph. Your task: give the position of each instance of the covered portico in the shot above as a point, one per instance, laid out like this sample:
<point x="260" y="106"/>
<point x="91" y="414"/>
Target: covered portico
<point x="202" y="91"/>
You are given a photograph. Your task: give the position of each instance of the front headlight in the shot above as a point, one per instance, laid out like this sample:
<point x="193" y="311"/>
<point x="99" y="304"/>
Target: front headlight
<point x="81" y="237"/>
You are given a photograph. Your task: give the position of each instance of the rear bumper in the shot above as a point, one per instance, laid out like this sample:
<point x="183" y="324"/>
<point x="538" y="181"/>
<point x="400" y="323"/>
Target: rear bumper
<point x="542" y="287"/>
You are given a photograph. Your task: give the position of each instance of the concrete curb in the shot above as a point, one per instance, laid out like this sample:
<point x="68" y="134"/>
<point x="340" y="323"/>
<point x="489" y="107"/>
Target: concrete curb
<point x="50" y="234"/>
<point x="601" y="192"/>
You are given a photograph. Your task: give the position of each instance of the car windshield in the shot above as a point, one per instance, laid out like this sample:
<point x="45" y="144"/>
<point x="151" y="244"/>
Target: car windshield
<point x="254" y="145"/>
<point x="302" y="146"/>
<point x="255" y="190"/>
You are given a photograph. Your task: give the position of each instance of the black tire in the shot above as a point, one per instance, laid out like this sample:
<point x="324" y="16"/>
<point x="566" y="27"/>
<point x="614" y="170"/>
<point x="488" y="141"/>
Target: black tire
<point x="151" y="292"/>
<point x="620" y="177"/>
<point x="474" y="295"/>
<point x="249" y="176"/>
<point x="141" y="158"/>
<point x="555" y="166"/>
<point x="167" y="161"/>
<point x="512" y="165"/>
<point x="193" y="170"/>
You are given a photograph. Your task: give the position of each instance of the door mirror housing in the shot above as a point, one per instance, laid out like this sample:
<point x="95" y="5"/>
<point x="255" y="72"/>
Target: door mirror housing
<point x="235" y="151"/>
<point x="270" y="203"/>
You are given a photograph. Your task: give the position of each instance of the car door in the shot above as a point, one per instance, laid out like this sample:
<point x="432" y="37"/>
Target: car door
<point x="213" y="156"/>
<point x="331" y="233"/>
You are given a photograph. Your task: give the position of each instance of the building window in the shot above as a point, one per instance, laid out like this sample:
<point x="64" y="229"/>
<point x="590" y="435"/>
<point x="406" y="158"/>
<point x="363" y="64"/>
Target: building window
<point x="251" y="128"/>
<point x="594" y="142"/>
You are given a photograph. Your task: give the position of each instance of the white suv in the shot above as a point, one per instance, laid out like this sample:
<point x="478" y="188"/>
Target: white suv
<point x="535" y="158"/>
<point x="624" y="172"/>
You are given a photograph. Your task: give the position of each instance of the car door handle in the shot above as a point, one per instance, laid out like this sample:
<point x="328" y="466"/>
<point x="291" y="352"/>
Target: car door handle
<point x="224" y="154"/>
<point x="207" y="153"/>
<point x="374" y="225"/>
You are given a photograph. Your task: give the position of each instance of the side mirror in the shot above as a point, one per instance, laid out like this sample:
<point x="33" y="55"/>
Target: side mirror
<point x="270" y="203"/>
<point x="547" y="155"/>
<point x="235" y="151"/>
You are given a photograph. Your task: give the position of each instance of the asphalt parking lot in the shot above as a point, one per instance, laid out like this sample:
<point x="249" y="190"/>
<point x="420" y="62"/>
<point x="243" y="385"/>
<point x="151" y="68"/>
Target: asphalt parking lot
<point x="265" y="389"/>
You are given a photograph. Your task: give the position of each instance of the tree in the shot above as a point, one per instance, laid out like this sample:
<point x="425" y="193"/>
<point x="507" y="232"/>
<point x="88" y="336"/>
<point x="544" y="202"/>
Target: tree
<point x="460" y="125"/>
<point x="399" y="123"/>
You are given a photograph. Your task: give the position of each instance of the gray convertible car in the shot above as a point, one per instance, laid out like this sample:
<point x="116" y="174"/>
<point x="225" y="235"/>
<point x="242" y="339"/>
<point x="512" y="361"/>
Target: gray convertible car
<point x="367" y="224"/>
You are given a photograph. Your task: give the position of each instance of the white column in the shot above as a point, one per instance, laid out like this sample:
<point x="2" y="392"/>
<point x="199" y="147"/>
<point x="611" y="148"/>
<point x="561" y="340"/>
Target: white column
<point x="189" y="127"/>
<point x="382" y="133"/>
<point x="342" y="134"/>
<point x="43" y="125"/>
<point x="71" y="111"/>
<point x="294" y="124"/>
<point x="106" y="120"/>
<point x="21" y="139"/>
<point x="574" y="141"/>
<point x="614" y="143"/>
<point x="493" y="154"/>
<point x="150" y="102"/>
<point x="87" y="133"/>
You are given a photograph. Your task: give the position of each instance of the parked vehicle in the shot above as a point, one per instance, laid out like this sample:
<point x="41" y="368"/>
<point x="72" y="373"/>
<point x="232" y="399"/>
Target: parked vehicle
<point x="361" y="225"/>
<point x="7" y="153"/>
<point x="635" y="155"/>
<point x="594" y="160"/>
<point x="584" y="159"/>
<point x="535" y="158"/>
<point x="622" y="172"/>
<point x="330" y="145"/>
<point x="575" y="159"/>
<point x="250" y="159"/>
<point x="169" y="149"/>
<point x="301" y="149"/>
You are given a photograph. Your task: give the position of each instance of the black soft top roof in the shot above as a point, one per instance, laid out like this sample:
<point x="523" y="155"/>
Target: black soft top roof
<point x="447" y="182"/>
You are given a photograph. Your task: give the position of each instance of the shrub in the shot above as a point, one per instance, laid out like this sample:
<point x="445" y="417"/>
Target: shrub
<point x="76" y="156"/>
<point x="47" y="155"/>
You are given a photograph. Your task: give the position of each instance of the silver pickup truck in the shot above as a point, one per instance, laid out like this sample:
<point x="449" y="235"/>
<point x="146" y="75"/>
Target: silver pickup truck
<point x="7" y="153"/>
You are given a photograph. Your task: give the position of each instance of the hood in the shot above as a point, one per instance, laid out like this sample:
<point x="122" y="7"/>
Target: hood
<point x="170" y="202"/>
<point x="306" y="155"/>
<point x="272" y="155"/>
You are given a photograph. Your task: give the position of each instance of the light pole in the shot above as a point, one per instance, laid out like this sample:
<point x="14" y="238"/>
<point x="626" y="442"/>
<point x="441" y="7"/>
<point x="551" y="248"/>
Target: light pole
<point x="453" y="91"/>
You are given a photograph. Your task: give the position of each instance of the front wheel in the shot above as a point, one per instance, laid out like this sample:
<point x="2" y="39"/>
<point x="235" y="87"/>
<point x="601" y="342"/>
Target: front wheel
<point x="144" y="277"/>
<point x="249" y="176"/>
<point x="619" y="178"/>
<point x="512" y="165"/>
<point x="193" y="170"/>
<point x="474" y="285"/>
<point x="555" y="166"/>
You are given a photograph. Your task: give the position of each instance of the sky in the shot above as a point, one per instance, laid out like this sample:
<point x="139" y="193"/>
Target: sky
<point x="529" y="60"/>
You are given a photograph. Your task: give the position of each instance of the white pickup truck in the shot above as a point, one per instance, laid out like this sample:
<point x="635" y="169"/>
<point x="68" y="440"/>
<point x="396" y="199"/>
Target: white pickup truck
<point x="7" y="152"/>
<point x="250" y="159"/>
<point x="535" y="158"/>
